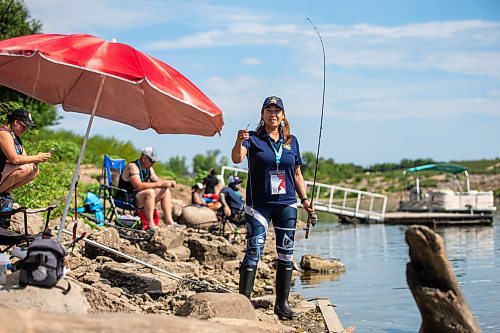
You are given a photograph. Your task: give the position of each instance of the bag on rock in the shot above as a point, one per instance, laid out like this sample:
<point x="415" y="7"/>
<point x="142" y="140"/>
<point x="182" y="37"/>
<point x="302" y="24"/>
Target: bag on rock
<point x="43" y="265"/>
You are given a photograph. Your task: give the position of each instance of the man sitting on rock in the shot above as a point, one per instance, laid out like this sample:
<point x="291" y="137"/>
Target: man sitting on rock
<point x="232" y="201"/>
<point x="145" y="189"/>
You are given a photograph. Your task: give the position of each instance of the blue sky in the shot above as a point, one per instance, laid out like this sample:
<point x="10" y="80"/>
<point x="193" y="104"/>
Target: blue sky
<point x="405" y="79"/>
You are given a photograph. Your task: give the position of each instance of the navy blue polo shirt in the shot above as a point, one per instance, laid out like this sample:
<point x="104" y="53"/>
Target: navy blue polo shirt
<point x="262" y="160"/>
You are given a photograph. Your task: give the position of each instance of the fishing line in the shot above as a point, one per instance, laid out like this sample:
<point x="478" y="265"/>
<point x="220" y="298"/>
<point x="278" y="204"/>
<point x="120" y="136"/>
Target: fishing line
<point x="313" y="219"/>
<point x="276" y="74"/>
<point x="294" y="41"/>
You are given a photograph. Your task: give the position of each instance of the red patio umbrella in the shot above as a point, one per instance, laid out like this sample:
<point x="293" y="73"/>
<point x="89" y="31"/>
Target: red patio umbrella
<point x="112" y="80"/>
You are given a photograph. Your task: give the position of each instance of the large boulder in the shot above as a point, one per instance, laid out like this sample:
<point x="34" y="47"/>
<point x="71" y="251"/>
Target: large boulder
<point x="136" y="280"/>
<point x="177" y="206"/>
<point x="44" y="299"/>
<point x="212" y="251"/>
<point x="106" y="236"/>
<point x="102" y="299"/>
<point x="215" y="305"/>
<point x="164" y="239"/>
<point x="255" y="325"/>
<point x="198" y="217"/>
<point x="38" y="322"/>
<point x="316" y="263"/>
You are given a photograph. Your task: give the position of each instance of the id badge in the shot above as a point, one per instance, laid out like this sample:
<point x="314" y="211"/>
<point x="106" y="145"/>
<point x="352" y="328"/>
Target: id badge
<point x="278" y="183"/>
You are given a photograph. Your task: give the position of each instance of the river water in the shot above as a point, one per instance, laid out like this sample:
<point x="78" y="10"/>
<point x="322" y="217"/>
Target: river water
<point x="373" y="294"/>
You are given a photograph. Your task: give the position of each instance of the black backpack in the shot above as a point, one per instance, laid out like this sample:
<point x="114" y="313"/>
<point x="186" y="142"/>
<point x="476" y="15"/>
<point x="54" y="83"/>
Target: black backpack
<point x="43" y="265"/>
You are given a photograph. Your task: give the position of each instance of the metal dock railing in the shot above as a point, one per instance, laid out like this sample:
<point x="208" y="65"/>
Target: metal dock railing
<point x="341" y="201"/>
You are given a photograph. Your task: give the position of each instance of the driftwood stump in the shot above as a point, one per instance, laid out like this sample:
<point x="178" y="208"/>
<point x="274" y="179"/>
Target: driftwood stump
<point x="434" y="285"/>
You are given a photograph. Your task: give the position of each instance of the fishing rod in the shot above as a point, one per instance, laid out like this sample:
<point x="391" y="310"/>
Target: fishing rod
<point x="198" y="285"/>
<point x="312" y="218"/>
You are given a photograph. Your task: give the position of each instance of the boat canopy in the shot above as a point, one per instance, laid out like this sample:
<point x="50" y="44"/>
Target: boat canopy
<point x="445" y="167"/>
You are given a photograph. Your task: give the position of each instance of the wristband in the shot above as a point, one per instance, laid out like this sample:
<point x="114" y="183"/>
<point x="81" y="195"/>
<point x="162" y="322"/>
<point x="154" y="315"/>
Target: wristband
<point x="303" y="199"/>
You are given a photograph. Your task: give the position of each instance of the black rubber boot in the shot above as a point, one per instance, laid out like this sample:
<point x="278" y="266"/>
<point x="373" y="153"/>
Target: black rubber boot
<point x="283" y="278"/>
<point x="247" y="277"/>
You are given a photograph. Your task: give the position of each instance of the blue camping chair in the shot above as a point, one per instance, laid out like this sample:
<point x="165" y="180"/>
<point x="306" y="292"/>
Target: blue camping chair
<point x="111" y="193"/>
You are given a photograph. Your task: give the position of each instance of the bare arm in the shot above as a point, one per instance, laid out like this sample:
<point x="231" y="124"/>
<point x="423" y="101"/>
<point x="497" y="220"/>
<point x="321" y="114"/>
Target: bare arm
<point x="227" y="210"/>
<point x="7" y="146"/>
<point x="239" y="151"/>
<point x="132" y="172"/>
<point x="197" y="200"/>
<point x="300" y="188"/>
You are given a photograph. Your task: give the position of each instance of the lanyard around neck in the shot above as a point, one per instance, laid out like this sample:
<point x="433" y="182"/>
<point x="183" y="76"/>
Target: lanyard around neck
<point x="17" y="144"/>
<point x="277" y="152"/>
<point x="141" y="173"/>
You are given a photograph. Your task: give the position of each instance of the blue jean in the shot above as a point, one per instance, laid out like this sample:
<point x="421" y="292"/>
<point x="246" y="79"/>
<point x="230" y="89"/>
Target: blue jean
<point x="284" y="218"/>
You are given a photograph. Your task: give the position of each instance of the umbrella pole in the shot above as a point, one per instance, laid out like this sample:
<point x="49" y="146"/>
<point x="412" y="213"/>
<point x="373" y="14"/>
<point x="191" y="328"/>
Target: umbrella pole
<point x="80" y="158"/>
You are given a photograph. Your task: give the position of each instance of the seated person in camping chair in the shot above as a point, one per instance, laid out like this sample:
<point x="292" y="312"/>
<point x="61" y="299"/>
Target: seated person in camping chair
<point x="232" y="202"/>
<point x="199" y="200"/>
<point x="145" y="189"/>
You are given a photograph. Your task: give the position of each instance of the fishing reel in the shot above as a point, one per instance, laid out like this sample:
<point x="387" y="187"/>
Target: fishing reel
<point x="312" y="219"/>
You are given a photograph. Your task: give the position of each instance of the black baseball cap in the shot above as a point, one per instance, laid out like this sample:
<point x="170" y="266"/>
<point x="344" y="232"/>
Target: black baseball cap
<point x="273" y="100"/>
<point x="236" y="180"/>
<point x="21" y="115"/>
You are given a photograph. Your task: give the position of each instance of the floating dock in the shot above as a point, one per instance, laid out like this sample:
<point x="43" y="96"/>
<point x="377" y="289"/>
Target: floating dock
<point x="441" y="218"/>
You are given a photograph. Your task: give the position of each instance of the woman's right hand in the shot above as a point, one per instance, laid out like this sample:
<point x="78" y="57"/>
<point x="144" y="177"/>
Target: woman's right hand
<point x="242" y="135"/>
<point x="239" y="151"/>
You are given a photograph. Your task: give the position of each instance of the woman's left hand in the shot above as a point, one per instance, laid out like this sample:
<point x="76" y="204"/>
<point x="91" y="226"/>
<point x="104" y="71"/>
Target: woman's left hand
<point x="308" y="206"/>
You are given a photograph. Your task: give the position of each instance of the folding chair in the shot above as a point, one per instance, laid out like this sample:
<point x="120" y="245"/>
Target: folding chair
<point x="9" y="238"/>
<point x="232" y="224"/>
<point x="111" y="172"/>
<point x="108" y="191"/>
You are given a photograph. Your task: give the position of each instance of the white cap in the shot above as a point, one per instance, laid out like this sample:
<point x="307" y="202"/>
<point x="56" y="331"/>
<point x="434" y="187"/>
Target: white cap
<point x="151" y="153"/>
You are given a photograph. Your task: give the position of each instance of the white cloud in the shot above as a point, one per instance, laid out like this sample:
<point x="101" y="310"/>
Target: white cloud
<point x="474" y="63"/>
<point x="251" y="61"/>
<point x="428" y="30"/>
<point x="62" y="16"/>
<point x="413" y="109"/>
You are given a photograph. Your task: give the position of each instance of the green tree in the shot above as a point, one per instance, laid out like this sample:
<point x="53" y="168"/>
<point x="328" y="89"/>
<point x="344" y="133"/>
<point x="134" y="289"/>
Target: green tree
<point x="308" y="164"/>
<point x="177" y="165"/>
<point x="15" y="21"/>
<point x="201" y="163"/>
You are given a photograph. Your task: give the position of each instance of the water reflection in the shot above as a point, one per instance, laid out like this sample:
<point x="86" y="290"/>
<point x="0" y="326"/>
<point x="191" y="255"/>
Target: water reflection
<point x="313" y="279"/>
<point x="475" y="241"/>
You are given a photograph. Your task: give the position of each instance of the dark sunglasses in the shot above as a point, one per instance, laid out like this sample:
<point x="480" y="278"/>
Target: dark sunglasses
<point x="151" y="160"/>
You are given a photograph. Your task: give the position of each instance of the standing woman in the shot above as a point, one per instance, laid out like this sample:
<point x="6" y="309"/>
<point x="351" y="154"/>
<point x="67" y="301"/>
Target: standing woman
<point x="274" y="177"/>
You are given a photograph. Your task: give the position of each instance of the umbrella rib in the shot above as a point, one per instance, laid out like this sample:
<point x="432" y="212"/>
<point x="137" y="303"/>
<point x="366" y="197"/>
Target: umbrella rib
<point x="11" y="61"/>
<point x="211" y="122"/>
<point x="71" y="89"/>
<point x="145" y="103"/>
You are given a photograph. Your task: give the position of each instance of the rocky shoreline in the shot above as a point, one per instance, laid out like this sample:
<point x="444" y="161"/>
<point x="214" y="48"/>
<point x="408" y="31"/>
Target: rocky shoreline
<point x="110" y="283"/>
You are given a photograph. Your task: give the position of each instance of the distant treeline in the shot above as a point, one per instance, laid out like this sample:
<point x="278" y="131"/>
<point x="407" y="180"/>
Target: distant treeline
<point x="404" y="164"/>
<point x="67" y="146"/>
